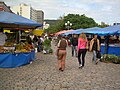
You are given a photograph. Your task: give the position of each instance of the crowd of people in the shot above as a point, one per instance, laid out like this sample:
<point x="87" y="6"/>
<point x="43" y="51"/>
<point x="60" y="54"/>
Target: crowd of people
<point x="79" y="47"/>
<point x="40" y="43"/>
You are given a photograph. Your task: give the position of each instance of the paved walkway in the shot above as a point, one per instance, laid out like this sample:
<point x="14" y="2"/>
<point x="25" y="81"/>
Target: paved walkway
<point x="43" y="74"/>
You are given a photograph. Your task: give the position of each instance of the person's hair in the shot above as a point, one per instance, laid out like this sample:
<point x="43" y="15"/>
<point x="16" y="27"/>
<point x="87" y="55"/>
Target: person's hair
<point x="83" y="36"/>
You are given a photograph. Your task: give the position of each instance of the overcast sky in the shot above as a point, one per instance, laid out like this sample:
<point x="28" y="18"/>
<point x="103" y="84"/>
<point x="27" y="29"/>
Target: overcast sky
<point x="107" y="11"/>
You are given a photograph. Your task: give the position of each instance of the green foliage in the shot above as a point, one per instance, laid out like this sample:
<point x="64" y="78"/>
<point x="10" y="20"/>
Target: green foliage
<point x="59" y="25"/>
<point x="78" y="21"/>
<point x="112" y="59"/>
<point x="47" y="46"/>
<point x="47" y="42"/>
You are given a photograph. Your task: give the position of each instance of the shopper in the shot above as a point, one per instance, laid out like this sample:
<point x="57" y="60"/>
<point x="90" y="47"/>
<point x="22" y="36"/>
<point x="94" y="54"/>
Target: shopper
<point x="82" y="49"/>
<point x="3" y="37"/>
<point x="62" y="44"/>
<point x="95" y="47"/>
<point x="107" y="43"/>
<point x="74" y="43"/>
<point x="29" y="40"/>
<point x="39" y="48"/>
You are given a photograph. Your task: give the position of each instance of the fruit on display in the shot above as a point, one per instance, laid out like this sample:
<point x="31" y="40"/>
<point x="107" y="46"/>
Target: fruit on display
<point x="23" y="47"/>
<point x="10" y="47"/>
<point x="24" y="50"/>
<point x="9" y="44"/>
<point x="1" y="49"/>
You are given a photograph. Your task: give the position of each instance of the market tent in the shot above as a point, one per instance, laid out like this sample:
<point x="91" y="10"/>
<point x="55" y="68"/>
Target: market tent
<point x="110" y="30"/>
<point x="87" y="30"/>
<point x="71" y="32"/>
<point x="61" y="32"/>
<point x="79" y="31"/>
<point x="11" y="20"/>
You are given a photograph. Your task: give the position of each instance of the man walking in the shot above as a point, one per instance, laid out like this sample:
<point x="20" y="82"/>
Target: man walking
<point x="74" y="43"/>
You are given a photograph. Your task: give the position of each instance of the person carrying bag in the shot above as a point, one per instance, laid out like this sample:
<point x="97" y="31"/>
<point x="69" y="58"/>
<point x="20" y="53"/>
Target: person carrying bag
<point x="95" y="48"/>
<point x="61" y="53"/>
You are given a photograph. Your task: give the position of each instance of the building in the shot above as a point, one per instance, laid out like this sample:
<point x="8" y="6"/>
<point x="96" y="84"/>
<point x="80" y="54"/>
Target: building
<point x="28" y="12"/>
<point x="4" y="7"/>
<point x="40" y="16"/>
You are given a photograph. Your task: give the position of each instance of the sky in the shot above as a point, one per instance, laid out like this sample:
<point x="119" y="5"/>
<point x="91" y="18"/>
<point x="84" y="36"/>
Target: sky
<point x="107" y="11"/>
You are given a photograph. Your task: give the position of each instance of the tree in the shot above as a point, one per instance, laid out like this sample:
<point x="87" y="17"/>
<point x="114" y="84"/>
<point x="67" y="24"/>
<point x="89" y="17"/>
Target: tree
<point x="78" y="21"/>
<point x="57" y="26"/>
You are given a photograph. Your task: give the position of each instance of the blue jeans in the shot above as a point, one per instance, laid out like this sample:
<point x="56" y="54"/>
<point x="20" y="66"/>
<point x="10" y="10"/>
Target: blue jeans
<point x="74" y="49"/>
<point x="94" y="55"/>
<point x="106" y="48"/>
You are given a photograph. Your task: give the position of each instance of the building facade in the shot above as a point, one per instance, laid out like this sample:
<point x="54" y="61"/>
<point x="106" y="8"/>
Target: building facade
<point x="28" y="12"/>
<point x="40" y="16"/>
<point x="4" y="7"/>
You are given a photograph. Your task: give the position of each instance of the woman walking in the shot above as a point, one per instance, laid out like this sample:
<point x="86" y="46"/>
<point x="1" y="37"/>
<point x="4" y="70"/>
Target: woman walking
<point x="82" y="49"/>
<point x="95" y="47"/>
<point x="62" y="44"/>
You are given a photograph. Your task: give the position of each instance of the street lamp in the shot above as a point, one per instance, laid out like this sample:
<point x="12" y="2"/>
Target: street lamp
<point x="68" y="25"/>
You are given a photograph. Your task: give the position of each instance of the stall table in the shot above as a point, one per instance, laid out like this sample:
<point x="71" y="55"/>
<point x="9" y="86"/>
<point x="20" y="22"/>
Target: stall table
<point x="12" y="60"/>
<point x="112" y="49"/>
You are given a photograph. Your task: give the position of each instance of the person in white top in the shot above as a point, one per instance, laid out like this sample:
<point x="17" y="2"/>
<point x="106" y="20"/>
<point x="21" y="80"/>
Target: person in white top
<point x="3" y="37"/>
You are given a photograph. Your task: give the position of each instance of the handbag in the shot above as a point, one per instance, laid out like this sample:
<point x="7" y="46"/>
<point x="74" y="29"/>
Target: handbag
<point x="98" y="54"/>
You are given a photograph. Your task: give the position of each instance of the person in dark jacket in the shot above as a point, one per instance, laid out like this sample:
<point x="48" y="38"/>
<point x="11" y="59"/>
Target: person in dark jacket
<point x="74" y="43"/>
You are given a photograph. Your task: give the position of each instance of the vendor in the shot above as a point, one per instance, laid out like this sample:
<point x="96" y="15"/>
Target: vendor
<point x="107" y="39"/>
<point x="3" y="37"/>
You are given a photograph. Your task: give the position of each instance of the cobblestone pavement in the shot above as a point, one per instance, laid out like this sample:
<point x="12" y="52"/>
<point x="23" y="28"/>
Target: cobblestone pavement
<point x="43" y="74"/>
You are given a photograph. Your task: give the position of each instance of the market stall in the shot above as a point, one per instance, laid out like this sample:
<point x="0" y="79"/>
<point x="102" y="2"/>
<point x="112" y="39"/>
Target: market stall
<point x="12" y="60"/>
<point x="14" y="54"/>
<point x="110" y="30"/>
<point x="112" y="49"/>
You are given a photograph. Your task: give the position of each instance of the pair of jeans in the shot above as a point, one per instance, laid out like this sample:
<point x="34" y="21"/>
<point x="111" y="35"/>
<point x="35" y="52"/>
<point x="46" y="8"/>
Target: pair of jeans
<point x="106" y="48"/>
<point x="74" y="49"/>
<point x="94" y="56"/>
<point x="83" y="53"/>
<point x="39" y="48"/>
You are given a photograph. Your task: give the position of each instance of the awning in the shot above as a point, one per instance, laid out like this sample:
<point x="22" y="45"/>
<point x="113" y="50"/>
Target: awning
<point x="11" y="20"/>
<point x="110" y="30"/>
<point x="63" y="31"/>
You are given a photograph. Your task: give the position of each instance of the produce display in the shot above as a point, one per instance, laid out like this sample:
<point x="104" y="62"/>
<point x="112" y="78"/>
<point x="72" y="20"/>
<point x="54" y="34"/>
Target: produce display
<point x="9" y="44"/>
<point x="24" y="47"/>
<point x="5" y="50"/>
<point x="10" y="47"/>
<point x="1" y="49"/>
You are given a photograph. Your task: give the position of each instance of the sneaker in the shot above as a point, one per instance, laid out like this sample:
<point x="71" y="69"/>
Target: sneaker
<point x="80" y="67"/>
<point x="31" y="62"/>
